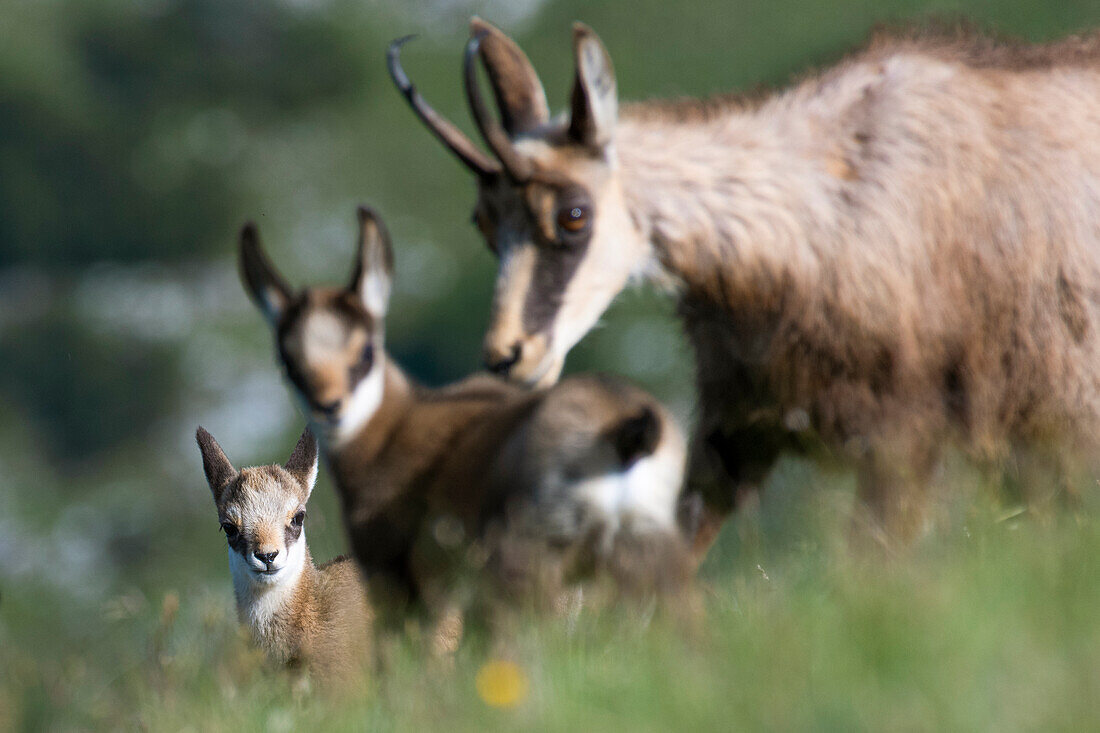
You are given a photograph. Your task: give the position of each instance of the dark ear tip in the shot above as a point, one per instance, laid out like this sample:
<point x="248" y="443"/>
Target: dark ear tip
<point x="201" y="435"/>
<point x="581" y="31"/>
<point x="366" y="213"/>
<point x="249" y="232"/>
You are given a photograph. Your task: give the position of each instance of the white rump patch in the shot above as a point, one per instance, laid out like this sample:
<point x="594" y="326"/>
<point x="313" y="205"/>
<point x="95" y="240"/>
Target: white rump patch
<point x="643" y="497"/>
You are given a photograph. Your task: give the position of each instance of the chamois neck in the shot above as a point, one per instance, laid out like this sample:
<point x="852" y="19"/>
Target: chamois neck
<point x="376" y="407"/>
<point x="270" y="608"/>
<point x="731" y="201"/>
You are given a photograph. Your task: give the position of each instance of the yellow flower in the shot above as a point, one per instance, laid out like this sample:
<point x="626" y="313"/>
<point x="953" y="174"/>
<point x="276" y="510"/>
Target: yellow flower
<point x="501" y="684"/>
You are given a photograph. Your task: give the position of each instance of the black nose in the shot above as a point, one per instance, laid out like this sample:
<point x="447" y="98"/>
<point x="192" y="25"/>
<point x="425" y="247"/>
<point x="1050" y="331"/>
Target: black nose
<point x="328" y="409"/>
<point x="499" y="364"/>
<point x="266" y="557"/>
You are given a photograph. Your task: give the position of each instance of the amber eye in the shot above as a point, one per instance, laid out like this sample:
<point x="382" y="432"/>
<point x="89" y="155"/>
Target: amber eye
<point x="573" y="218"/>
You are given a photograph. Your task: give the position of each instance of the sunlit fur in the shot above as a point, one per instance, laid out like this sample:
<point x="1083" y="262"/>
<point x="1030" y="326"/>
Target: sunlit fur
<point x="896" y="252"/>
<point x="296" y="612"/>
<point x="435" y="482"/>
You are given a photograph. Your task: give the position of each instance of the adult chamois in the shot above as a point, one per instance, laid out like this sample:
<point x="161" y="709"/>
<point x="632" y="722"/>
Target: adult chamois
<point x="896" y="251"/>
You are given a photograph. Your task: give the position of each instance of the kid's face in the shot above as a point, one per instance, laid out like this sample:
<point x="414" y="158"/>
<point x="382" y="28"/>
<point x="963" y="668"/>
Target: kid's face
<point x="263" y="521"/>
<point x="329" y="348"/>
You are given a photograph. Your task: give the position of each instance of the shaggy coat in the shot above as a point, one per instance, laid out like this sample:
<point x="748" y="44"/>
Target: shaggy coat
<point x="898" y="251"/>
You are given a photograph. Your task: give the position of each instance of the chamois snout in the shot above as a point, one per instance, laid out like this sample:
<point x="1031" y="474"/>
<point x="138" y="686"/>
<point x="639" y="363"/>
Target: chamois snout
<point x="520" y="357"/>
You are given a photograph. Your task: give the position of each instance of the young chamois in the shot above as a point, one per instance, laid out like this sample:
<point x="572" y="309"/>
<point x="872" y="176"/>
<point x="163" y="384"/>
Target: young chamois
<point x="574" y="474"/>
<point x="298" y="613"/>
<point x="898" y="252"/>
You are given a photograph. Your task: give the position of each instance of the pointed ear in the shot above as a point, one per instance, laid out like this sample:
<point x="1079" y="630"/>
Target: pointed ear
<point x="515" y="84"/>
<point x="595" y="98"/>
<point x="219" y="471"/>
<point x="302" y="464"/>
<point x="266" y="287"/>
<point x="373" y="274"/>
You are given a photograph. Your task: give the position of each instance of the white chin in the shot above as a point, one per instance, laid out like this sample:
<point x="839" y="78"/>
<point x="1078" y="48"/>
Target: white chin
<point x="263" y="576"/>
<point x="547" y="372"/>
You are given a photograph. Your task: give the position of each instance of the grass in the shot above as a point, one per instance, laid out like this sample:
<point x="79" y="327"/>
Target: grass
<point x="988" y="623"/>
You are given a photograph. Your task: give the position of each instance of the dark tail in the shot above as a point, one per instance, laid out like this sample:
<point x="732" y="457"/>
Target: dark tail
<point x="637" y="436"/>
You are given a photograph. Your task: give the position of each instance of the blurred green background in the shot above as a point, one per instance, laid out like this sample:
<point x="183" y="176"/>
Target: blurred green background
<point x="137" y="135"/>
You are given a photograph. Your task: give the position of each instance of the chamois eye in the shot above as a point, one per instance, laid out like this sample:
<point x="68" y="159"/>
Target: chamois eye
<point x="230" y="530"/>
<point x="481" y="220"/>
<point x="573" y="218"/>
<point x="298" y="518"/>
<point x="363" y="366"/>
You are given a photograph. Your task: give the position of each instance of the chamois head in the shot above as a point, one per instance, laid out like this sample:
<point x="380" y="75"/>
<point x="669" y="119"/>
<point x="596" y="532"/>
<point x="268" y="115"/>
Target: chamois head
<point x="262" y="510"/>
<point x="550" y="202"/>
<point x="329" y="340"/>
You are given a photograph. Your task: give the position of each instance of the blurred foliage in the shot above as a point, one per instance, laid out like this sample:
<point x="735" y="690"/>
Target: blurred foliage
<point x="130" y="155"/>
<point x="135" y="138"/>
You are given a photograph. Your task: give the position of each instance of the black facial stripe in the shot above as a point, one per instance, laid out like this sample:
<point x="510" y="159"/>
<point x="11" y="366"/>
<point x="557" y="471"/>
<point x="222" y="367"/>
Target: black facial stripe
<point x="363" y="367"/>
<point x="554" y="268"/>
<point x="292" y="533"/>
<point x="237" y="543"/>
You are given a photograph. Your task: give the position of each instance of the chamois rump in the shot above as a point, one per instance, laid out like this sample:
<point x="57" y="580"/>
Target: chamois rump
<point x="440" y="484"/>
<point x="894" y="254"/>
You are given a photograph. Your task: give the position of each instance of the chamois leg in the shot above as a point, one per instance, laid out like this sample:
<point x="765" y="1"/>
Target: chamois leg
<point x="892" y="494"/>
<point x="1039" y="476"/>
<point x="726" y="470"/>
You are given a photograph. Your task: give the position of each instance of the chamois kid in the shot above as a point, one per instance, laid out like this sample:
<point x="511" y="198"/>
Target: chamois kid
<point x="299" y="613"/>
<point x="573" y="475"/>
<point x="894" y="254"/>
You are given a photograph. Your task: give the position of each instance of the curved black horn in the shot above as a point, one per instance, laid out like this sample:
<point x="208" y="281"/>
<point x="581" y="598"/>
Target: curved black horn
<point x="440" y="126"/>
<point x="518" y="166"/>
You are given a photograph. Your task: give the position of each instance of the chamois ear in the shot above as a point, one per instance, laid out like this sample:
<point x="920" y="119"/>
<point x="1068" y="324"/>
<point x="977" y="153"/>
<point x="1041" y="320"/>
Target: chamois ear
<point x="595" y="108"/>
<point x="373" y="275"/>
<point x="267" y="288"/>
<point x="515" y="84"/>
<point x="302" y="464"/>
<point x="636" y="436"/>
<point x="219" y="471"/>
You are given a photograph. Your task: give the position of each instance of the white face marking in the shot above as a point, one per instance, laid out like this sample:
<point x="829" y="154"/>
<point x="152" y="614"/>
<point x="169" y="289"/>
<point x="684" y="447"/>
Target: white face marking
<point x="615" y="254"/>
<point x="322" y="333"/>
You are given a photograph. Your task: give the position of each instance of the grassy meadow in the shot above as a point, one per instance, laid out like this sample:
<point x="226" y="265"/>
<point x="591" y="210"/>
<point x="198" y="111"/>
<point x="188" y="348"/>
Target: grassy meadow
<point x="987" y="624"/>
<point x="137" y="135"/>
